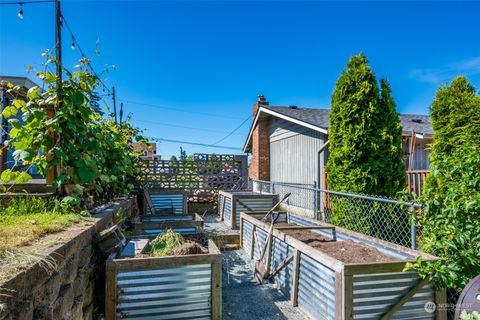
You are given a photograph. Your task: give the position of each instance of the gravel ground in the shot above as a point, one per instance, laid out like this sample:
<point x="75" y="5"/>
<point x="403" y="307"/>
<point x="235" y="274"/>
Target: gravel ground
<point x="213" y="225"/>
<point x="244" y="299"/>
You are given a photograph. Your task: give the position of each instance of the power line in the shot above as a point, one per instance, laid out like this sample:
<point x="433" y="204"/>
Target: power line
<point x="74" y="41"/>
<point x="233" y="131"/>
<point x="63" y="21"/>
<point x="181" y="110"/>
<point x="26" y="2"/>
<point x="195" y="143"/>
<point x="178" y="126"/>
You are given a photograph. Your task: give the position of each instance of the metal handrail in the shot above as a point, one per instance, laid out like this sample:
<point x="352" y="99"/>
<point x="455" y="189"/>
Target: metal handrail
<point x="340" y="193"/>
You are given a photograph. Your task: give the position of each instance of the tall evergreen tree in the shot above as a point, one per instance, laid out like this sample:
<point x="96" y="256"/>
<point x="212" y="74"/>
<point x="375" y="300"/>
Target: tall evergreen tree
<point x="365" y="134"/>
<point x="365" y="151"/>
<point x="392" y="172"/>
<point x="451" y="220"/>
<point x="454" y="110"/>
<point x="183" y="154"/>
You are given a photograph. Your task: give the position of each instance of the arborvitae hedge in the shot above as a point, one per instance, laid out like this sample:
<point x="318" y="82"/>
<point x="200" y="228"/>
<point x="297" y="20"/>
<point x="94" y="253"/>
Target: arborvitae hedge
<point x="451" y="219"/>
<point x="392" y="171"/>
<point x="365" y="134"/>
<point x="366" y="153"/>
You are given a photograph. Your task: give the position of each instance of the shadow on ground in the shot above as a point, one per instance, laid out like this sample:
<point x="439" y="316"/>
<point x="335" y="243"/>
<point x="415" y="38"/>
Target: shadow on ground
<point x="243" y="299"/>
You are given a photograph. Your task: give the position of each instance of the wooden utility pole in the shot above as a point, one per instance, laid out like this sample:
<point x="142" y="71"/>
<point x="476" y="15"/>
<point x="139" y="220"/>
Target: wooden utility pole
<point x="52" y="172"/>
<point x="58" y="44"/>
<point x="121" y="112"/>
<point x="114" y="104"/>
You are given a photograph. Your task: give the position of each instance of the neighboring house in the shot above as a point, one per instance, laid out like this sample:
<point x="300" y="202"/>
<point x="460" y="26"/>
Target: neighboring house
<point x="147" y="149"/>
<point x="290" y="144"/>
<point x="6" y="160"/>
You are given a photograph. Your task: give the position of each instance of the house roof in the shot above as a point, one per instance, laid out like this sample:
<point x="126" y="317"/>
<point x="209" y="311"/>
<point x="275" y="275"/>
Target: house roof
<point x="17" y="81"/>
<point x="319" y="120"/>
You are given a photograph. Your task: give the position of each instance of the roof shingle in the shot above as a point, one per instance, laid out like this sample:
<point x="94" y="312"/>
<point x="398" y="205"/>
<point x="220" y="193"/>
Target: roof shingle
<point x="320" y="118"/>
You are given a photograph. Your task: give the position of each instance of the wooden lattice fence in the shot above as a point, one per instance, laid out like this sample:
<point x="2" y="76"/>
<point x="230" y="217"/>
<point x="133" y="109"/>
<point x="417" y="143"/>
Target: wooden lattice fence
<point x="199" y="178"/>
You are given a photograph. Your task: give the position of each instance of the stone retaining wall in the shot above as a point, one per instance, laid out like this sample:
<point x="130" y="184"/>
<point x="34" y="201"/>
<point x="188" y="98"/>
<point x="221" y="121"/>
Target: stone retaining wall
<point x="69" y="282"/>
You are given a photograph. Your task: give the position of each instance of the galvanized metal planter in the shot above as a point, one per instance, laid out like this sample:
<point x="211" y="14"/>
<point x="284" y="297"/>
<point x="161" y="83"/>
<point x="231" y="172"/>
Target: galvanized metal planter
<point x="232" y="203"/>
<point x="152" y="225"/>
<point x="167" y="202"/>
<point x="326" y="288"/>
<point x="170" y="287"/>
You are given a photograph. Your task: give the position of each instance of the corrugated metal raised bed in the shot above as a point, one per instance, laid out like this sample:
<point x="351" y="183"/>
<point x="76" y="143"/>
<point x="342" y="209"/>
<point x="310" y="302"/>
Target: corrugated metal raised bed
<point x="151" y="225"/>
<point x="327" y="288"/>
<point x="169" y="287"/>
<point x="231" y="203"/>
<point x="165" y="201"/>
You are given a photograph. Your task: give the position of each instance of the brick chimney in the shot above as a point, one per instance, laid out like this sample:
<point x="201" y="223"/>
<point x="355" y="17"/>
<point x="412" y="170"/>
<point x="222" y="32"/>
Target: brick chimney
<point x="260" y="163"/>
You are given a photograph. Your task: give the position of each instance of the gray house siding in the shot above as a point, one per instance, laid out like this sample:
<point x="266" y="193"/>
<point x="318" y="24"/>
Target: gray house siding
<point x="421" y="159"/>
<point x="294" y="153"/>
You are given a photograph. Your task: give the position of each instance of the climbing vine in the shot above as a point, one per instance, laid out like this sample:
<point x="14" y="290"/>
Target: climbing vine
<point x="61" y="130"/>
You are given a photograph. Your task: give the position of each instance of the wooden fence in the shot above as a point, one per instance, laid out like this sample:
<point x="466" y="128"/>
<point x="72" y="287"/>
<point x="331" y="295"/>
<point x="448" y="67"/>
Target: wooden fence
<point x="415" y="183"/>
<point x="199" y="177"/>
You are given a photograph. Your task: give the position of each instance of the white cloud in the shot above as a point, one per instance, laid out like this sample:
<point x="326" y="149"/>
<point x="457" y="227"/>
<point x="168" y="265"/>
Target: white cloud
<point x="435" y="76"/>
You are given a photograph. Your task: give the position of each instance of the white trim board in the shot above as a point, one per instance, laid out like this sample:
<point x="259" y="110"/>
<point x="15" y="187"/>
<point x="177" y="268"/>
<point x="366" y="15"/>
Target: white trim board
<point x="281" y="116"/>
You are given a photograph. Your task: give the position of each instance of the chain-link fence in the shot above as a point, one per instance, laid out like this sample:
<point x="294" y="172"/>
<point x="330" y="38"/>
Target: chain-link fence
<point x="383" y="218"/>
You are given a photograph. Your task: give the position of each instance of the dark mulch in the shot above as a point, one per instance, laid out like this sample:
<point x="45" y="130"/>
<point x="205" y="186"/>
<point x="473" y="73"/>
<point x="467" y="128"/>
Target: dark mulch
<point x="198" y="237"/>
<point x="188" y="247"/>
<point x="346" y="251"/>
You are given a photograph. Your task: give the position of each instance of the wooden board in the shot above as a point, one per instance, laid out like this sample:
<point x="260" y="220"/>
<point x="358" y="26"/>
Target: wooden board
<point x="116" y="266"/>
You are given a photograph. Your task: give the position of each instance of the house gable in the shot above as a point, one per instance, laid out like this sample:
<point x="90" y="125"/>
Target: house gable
<point x="318" y="120"/>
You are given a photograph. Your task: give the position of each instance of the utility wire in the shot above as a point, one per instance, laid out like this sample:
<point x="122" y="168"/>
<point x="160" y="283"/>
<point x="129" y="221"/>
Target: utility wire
<point x="26" y="2"/>
<point x="74" y="40"/>
<point x="195" y="143"/>
<point x="180" y="110"/>
<point x="178" y="126"/>
<point x="233" y="131"/>
<point x="84" y="56"/>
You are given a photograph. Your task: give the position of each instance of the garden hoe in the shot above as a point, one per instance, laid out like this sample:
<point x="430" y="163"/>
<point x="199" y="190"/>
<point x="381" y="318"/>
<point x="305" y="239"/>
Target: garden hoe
<point x="260" y="272"/>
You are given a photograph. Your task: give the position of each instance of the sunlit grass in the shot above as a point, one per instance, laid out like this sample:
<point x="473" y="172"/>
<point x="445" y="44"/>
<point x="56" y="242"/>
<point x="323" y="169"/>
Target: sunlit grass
<point x="27" y="219"/>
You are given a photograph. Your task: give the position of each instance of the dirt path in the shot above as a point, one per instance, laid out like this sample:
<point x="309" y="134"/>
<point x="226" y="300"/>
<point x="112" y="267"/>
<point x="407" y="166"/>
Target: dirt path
<point x="243" y="299"/>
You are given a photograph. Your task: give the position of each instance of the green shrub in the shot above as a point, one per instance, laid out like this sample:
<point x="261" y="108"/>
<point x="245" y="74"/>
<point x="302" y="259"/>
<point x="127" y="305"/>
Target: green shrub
<point x="365" y="150"/>
<point x="365" y="134"/>
<point x="475" y="315"/>
<point x="451" y="221"/>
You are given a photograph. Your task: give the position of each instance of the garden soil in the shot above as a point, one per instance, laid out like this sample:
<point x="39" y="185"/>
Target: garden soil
<point x="346" y="251"/>
<point x="188" y="247"/>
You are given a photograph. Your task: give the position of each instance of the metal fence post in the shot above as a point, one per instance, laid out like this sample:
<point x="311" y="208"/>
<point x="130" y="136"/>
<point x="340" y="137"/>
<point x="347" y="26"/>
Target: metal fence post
<point x="322" y="205"/>
<point x="413" y="232"/>
<point x="315" y="201"/>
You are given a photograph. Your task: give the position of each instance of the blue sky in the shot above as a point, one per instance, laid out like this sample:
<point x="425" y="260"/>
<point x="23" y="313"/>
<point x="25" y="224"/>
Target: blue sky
<point x="199" y="65"/>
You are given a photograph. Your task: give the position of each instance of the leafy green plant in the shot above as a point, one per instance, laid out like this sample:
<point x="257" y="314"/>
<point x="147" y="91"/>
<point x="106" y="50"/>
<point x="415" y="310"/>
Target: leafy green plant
<point x="164" y="243"/>
<point x="63" y="131"/>
<point x="365" y="134"/>
<point x="365" y="148"/>
<point x="475" y="315"/>
<point x="451" y="219"/>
